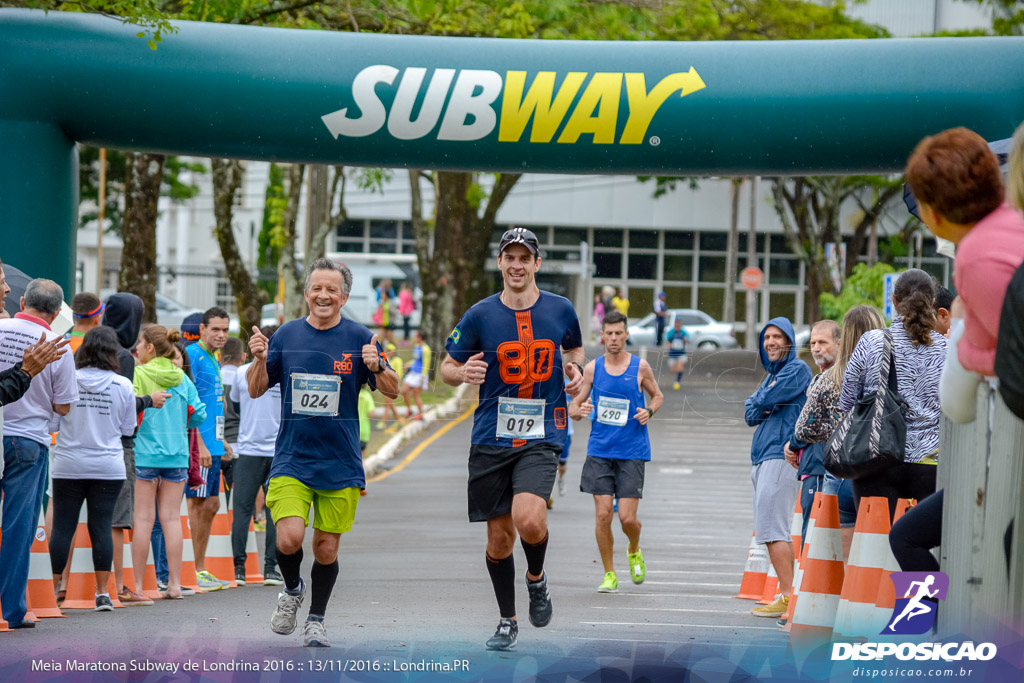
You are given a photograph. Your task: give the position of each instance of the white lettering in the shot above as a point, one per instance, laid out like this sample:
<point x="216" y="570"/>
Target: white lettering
<point x="841" y="651"/>
<point x="373" y="113"/>
<point x="400" y="123"/>
<point x="475" y="90"/>
<point x="920" y="651"/>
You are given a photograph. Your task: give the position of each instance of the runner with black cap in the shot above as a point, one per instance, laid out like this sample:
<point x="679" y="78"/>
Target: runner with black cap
<point x="510" y="344"/>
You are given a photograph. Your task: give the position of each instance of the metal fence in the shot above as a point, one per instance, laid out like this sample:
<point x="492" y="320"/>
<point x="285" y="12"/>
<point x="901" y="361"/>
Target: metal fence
<point x="981" y="469"/>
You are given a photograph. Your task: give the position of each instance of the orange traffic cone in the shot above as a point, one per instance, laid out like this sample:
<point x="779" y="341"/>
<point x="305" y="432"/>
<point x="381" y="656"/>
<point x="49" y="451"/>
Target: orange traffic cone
<point x="796" y="529"/>
<point x="252" y="558"/>
<point x="81" y="588"/>
<point x="3" y="622"/>
<point x="754" y="573"/>
<point x="771" y="585"/>
<point x="798" y="571"/>
<point x="822" y="580"/>
<point x="220" y="557"/>
<point x="188" y="555"/>
<point x="39" y="594"/>
<point x="868" y="557"/>
<point x="885" y="600"/>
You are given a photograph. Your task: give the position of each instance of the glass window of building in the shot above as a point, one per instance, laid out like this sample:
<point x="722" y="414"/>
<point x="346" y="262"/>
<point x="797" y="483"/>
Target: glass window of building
<point x="570" y="237"/>
<point x="608" y="238"/>
<point x="643" y="239"/>
<point x="711" y="300"/>
<point x="784" y="271"/>
<point x="678" y="268"/>
<point x="677" y="297"/>
<point x="779" y="244"/>
<point x="714" y="241"/>
<point x="384" y="230"/>
<point x="643" y="266"/>
<point x="351" y="228"/>
<point x="608" y="265"/>
<point x="712" y="268"/>
<point x="678" y="239"/>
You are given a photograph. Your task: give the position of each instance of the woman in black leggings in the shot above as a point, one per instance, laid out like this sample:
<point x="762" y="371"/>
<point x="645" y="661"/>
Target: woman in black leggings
<point x="88" y="463"/>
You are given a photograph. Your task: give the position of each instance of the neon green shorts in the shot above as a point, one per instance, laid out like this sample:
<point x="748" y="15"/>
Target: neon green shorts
<point x="333" y="511"/>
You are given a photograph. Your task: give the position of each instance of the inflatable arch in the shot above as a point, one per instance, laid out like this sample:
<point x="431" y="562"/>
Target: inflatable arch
<point x="701" y="108"/>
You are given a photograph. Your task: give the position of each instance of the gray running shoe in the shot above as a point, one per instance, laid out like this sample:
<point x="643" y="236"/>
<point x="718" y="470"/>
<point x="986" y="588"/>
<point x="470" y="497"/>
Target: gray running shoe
<point x="505" y="637"/>
<point x="186" y="591"/>
<point x="104" y="604"/>
<point x="540" y="601"/>
<point x="283" y="621"/>
<point x="272" y="578"/>
<point x="208" y="582"/>
<point x="314" y="634"/>
<point x="561" y="485"/>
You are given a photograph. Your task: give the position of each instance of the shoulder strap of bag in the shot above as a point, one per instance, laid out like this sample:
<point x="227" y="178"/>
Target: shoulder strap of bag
<point x="887" y="370"/>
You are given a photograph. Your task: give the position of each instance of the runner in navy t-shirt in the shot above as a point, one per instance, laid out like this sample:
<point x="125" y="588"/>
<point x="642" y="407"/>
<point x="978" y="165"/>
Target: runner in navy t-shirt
<point x="321" y="362"/>
<point x="510" y="344"/>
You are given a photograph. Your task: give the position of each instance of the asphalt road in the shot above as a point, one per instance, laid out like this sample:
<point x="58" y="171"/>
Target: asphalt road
<point x="414" y="588"/>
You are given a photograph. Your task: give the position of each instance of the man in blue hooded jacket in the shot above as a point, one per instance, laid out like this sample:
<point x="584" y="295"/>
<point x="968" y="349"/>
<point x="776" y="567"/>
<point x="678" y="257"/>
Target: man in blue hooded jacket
<point x="774" y="409"/>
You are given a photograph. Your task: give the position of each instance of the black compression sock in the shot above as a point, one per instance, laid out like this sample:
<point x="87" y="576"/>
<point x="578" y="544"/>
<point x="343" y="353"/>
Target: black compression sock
<point x="503" y="579"/>
<point x="291" y="568"/>
<point x="535" y="555"/>
<point x="322" y="578"/>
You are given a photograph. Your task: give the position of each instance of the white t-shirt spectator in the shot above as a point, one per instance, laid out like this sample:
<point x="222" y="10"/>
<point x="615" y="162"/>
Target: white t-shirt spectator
<point x="89" y="443"/>
<point x="30" y="416"/>
<point x="261" y="417"/>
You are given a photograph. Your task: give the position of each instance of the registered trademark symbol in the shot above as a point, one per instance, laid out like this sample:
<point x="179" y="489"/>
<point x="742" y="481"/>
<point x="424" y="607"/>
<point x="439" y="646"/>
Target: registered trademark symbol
<point x="655" y="141"/>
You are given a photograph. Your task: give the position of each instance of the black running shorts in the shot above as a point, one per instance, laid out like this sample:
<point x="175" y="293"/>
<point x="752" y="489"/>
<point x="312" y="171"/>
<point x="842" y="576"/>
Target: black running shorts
<point x="496" y="473"/>
<point x="613" y="477"/>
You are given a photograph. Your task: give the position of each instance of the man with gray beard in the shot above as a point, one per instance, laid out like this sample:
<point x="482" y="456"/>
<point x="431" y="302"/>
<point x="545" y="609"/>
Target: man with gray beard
<point x="807" y="457"/>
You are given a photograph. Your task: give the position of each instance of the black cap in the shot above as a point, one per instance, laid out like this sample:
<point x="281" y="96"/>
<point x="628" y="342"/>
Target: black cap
<point x="519" y="236"/>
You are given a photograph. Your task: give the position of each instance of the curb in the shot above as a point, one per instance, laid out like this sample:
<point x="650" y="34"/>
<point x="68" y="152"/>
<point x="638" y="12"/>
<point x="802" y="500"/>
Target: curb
<point x="453" y="406"/>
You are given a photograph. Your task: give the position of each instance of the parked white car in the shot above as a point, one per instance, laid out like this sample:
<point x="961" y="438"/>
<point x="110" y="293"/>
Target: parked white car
<point x="705" y="332"/>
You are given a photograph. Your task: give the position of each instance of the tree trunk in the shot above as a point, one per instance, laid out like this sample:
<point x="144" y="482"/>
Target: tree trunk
<point x="144" y="174"/>
<point x="436" y="317"/>
<point x="330" y="219"/>
<point x="732" y="255"/>
<point x="815" y="276"/>
<point x="227" y="180"/>
<point x="294" y="302"/>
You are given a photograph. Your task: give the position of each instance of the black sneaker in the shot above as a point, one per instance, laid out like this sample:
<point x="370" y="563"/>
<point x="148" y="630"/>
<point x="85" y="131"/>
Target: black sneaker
<point x="240" y="576"/>
<point x="103" y="604"/>
<point x="505" y="637"/>
<point x="272" y="578"/>
<point x="540" y="601"/>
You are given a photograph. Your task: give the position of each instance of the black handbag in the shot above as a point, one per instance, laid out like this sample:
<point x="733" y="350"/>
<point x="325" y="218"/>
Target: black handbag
<point x="872" y="436"/>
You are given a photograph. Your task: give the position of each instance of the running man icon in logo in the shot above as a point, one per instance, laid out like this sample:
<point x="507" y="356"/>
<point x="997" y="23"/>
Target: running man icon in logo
<point x="914" y="613"/>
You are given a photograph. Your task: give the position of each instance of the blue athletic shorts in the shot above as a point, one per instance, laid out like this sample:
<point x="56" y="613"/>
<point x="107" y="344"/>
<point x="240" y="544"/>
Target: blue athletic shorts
<point x="211" y="475"/>
<point x="564" y="457"/>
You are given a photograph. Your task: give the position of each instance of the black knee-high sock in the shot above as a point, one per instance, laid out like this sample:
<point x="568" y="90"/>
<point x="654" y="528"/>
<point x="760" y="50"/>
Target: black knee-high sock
<point x="322" y="578"/>
<point x="535" y="555"/>
<point x="291" y="567"/>
<point x="503" y="579"/>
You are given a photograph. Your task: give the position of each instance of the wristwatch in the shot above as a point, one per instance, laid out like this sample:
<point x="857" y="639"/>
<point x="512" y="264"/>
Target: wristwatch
<point x="580" y="367"/>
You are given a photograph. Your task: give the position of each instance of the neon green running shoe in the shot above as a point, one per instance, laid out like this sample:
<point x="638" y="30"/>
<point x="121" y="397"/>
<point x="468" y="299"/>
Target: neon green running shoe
<point x="637" y="568"/>
<point x="610" y="585"/>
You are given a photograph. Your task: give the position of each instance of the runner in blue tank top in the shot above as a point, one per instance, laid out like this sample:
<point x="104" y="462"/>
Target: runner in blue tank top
<point x="619" y="445"/>
<point x="510" y="344"/>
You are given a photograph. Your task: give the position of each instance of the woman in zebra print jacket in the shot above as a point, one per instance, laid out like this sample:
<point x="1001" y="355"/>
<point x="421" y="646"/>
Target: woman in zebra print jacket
<point x="920" y="353"/>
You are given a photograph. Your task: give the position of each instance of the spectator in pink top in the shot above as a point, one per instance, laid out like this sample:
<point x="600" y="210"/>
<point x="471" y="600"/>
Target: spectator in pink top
<point x="955" y="178"/>
<point x="406" y="305"/>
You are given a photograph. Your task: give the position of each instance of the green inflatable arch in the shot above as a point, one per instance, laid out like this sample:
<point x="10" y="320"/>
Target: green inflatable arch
<point x="456" y="103"/>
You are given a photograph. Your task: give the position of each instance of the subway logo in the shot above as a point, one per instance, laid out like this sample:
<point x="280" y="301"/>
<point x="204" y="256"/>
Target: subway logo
<point x="482" y="100"/>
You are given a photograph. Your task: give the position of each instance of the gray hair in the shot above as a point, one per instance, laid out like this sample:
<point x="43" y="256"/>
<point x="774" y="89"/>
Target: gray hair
<point x="45" y="296"/>
<point x="327" y="264"/>
<point x="832" y="326"/>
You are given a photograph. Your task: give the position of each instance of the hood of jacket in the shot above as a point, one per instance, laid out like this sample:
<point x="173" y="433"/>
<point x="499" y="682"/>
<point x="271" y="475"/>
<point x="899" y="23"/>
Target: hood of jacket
<point x="157" y="375"/>
<point x="94" y="380"/>
<point x="123" y="312"/>
<point x="773" y="367"/>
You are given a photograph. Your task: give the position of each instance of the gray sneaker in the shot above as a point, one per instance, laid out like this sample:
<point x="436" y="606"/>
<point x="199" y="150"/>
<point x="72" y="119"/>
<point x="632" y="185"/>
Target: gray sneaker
<point x="314" y="634"/>
<point x="283" y="621"/>
<point x="540" y="601"/>
<point x="208" y="582"/>
<point x="272" y="578"/>
<point x="505" y="637"/>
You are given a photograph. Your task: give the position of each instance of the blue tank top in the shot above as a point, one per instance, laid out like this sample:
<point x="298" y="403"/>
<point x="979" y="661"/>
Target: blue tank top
<point x="614" y="432"/>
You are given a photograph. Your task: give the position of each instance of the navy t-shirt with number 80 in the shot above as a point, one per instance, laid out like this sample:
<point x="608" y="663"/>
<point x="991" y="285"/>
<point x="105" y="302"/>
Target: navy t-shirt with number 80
<point x="522" y="350"/>
<point x="320" y="373"/>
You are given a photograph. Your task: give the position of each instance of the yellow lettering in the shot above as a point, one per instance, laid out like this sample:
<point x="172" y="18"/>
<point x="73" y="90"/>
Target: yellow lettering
<point x="547" y="117"/>
<point x="643" y="105"/>
<point x="603" y="94"/>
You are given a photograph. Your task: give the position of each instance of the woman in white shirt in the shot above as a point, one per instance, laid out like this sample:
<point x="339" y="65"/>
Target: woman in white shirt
<point x="88" y="462"/>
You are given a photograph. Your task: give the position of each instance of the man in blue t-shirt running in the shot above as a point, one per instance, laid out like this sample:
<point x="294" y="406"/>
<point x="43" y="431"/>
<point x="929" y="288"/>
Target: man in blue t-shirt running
<point x="204" y="502"/>
<point x="321" y="362"/>
<point x="619" y="446"/>
<point x="510" y="344"/>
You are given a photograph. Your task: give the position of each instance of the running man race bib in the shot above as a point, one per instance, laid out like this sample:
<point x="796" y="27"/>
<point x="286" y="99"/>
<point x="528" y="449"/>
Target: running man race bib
<point x="315" y="394"/>
<point x="520" y="418"/>
<point x="220" y="428"/>
<point x="613" y="411"/>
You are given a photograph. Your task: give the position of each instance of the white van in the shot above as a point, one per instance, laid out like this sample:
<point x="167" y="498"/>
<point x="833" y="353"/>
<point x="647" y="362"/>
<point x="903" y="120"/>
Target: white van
<point x="368" y="271"/>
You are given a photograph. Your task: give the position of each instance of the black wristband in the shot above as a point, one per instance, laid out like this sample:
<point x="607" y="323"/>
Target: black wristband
<point x="381" y="369"/>
<point x="572" y="362"/>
